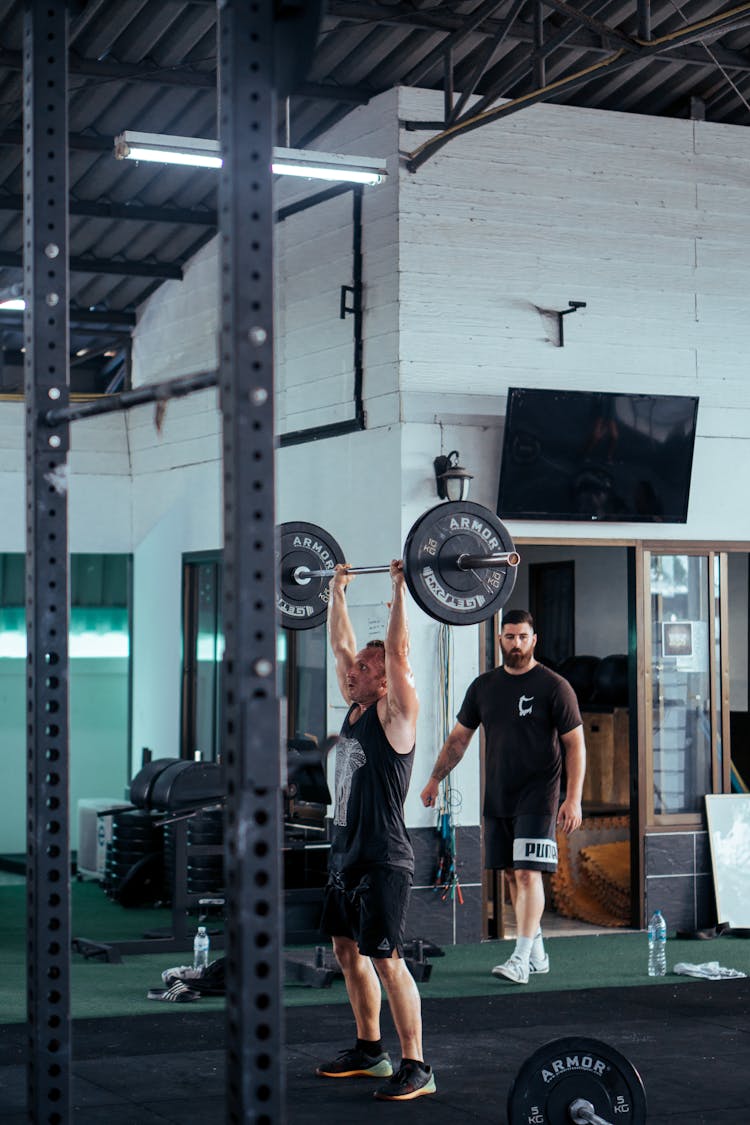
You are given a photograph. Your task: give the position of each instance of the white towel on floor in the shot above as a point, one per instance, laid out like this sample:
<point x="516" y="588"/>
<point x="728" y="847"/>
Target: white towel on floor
<point x="710" y="970"/>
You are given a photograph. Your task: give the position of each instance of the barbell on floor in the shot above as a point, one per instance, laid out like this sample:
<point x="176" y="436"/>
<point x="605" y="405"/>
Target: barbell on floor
<point x="577" y="1081"/>
<point x="459" y="564"/>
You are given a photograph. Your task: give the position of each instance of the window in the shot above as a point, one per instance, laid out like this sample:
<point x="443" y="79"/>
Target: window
<point x="301" y="658"/>
<point x="202" y="654"/>
<point x="685" y="696"/>
<point x="99" y="646"/>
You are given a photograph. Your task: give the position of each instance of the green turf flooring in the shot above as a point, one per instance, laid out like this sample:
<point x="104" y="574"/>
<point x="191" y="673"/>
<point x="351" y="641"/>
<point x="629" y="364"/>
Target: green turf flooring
<point x="103" y="989"/>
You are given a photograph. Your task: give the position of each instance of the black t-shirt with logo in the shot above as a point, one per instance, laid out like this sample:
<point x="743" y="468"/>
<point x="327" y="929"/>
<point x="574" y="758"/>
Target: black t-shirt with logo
<point x="523" y="716"/>
<point x="372" y="781"/>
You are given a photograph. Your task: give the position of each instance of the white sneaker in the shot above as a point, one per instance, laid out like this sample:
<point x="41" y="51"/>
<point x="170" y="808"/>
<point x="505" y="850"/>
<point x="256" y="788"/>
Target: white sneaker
<point x="539" y="964"/>
<point x="514" y="969"/>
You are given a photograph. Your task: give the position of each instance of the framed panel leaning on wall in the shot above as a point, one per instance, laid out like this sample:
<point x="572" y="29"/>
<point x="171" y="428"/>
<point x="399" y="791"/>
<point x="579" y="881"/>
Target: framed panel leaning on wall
<point x="728" y="818"/>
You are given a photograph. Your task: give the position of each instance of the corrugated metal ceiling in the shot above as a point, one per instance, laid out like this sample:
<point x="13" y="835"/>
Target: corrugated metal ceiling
<point x="151" y="65"/>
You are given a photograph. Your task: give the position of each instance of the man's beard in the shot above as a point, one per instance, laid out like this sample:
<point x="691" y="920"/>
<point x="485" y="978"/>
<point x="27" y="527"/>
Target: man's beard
<point x="517" y="659"/>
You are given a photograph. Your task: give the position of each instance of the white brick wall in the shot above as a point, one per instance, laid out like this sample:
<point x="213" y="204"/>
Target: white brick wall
<point x="642" y="218"/>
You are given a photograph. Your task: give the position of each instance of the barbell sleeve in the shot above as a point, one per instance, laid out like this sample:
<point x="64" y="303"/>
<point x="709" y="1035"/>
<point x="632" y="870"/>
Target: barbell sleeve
<point x="302" y="574"/>
<point x="581" y="1112"/>
<point x="486" y="562"/>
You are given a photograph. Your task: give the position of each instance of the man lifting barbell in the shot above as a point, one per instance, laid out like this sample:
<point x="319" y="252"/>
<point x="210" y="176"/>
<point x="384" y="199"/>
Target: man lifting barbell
<point x="371" y="861"/>
<point x="527" y="711"/>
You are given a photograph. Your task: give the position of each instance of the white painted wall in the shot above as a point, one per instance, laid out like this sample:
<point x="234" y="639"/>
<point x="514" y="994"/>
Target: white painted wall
<point x="645" y="219"/>
<point x="177" y="509"/>
<point x="178" y="327"/>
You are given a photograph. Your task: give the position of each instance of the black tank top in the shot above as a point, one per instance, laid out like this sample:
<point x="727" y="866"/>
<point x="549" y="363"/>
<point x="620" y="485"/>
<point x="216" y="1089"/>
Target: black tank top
<point x="371" y="785"/>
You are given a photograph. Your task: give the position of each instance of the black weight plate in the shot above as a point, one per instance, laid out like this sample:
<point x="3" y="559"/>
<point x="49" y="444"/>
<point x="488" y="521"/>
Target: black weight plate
<point x="133" y="818"/>
<point x="565" y="1069"/>
<point x="431" y="552"/>
<point x="305" y="544"/>
<point x="143" y="883"/>
<point x="146" y="830"/>
<point x="159" y="795"/>
<point x="128" y="855"/>
<point x="199" y="863"/>
<point x="202" y="824"/>
<point x="216" y="839"/>
<point x="143" y="782"/>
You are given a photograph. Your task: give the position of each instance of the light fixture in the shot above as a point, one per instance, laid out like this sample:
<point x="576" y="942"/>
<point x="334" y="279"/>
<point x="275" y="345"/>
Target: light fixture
<point x="198" y="152"/>
<point x="451" y="478"/>
<point x="11" y="297"/>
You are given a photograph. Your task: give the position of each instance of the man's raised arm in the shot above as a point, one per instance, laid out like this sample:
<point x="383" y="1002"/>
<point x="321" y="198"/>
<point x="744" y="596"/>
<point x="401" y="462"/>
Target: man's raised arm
<point x="402" y="704"/>
<point x="340" y="632"/>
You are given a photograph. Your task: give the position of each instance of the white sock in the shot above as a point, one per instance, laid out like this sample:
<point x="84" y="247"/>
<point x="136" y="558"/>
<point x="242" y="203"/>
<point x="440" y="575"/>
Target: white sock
<point x="537" y="949"/>
<point x="523" y="948"/>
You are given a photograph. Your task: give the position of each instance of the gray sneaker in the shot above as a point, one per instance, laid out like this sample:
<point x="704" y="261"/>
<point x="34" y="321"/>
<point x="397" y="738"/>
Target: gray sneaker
<point x="514" y="969"/>
<point x="539" y="964"/>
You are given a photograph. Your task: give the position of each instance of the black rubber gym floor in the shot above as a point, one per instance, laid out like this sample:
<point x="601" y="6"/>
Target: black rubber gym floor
<point x="690" y="1043"/>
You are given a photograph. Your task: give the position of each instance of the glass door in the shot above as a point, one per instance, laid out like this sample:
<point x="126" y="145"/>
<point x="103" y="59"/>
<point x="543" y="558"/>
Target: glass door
<point x="685" y="720"/>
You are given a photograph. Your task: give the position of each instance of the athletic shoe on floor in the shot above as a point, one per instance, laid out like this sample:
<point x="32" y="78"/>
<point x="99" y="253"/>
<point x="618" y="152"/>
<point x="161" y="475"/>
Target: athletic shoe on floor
<point x="514" y="969"/>
<point x="539" y="964"/>
<point x="356" y="1064"/>
<point x="181" y="972"/>
<point x="411" y="1080"/>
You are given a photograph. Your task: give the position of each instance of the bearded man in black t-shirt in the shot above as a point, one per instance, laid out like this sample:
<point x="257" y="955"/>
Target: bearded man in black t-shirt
<point x="372" y="862"/>
<point x="529" y="715"/>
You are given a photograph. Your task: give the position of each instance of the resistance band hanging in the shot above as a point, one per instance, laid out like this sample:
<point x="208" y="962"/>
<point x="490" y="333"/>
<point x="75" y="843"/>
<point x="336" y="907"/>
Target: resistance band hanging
<point x="446" y="881"/>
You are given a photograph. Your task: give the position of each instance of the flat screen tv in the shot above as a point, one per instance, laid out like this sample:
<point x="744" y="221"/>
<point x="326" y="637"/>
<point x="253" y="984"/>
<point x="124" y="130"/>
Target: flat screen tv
<point x="590" y="455"/>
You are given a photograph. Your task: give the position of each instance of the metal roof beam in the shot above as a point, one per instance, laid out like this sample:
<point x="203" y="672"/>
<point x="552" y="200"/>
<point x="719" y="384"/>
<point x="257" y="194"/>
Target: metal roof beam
<point x="92" y="320"/>
<point x="128" y="72"/>
<point x="500" y="80"/>
<point x="472" y="22"/>
<point x="186" y="76"/>
<point x="603" y="30"/>
<point x="14" y="138"/>
<point x="438" y="19"/>
<point x="162" y="270"/>
<point x="661" y="46"/>
<point x="484" y="54"/>
<point x="93" y="209"/>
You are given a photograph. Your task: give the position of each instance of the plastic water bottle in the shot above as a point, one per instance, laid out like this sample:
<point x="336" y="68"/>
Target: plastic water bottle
<point x="200" y="949"/>
<point x="657" y="945"/>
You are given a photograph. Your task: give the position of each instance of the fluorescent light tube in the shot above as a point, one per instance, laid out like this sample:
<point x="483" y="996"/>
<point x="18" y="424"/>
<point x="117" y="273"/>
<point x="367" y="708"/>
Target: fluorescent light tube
<point x="199" y="152"/>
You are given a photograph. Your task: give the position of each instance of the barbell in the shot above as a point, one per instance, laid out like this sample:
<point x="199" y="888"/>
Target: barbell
<point x="577" y="1081"/>
<point x="459" y="565"/>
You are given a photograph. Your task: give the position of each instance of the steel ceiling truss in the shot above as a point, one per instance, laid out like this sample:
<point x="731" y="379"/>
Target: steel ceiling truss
<point x="612" y="49"/>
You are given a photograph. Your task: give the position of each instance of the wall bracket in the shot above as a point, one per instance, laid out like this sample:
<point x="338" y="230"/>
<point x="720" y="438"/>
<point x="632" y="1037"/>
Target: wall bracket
<point x="574" y="306"/>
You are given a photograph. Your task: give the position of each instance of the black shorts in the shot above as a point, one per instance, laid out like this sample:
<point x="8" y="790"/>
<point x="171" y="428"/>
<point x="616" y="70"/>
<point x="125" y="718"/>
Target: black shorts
<point x="526" y="842"/>
<point x="368" y="907"/>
